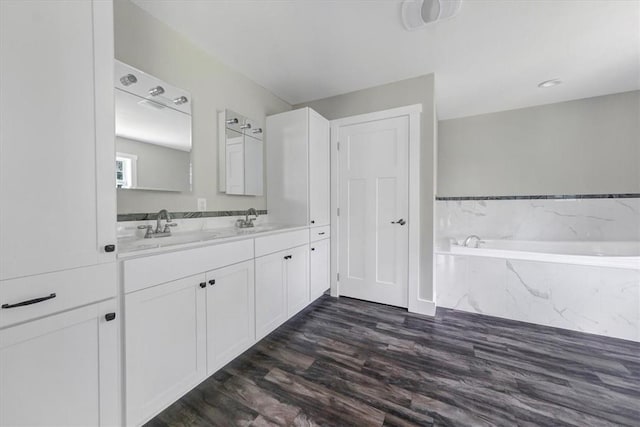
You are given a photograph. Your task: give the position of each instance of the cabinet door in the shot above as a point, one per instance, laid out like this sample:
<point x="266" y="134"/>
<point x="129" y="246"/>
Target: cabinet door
<point x="235" y="168"/>
<point x="56" y="127"/>
<point x="165" y="353"/>
<point x="230" y="313"/>
<point x="271" y="293"/>
<point x="319" y="268"/>
<point x="61" y="370"/>
<point x="318" y="169"/>
<point x="253" y="170"/>
<point x="297" y="273"/>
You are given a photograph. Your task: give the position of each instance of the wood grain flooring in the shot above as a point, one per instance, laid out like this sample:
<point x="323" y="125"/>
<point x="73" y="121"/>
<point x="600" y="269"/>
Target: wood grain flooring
<point x="344" y="362"/>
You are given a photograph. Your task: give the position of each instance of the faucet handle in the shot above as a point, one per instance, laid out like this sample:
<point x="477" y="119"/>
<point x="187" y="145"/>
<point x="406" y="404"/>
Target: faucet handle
<point x="167" y="225"/>
<point x="149" y="229"/>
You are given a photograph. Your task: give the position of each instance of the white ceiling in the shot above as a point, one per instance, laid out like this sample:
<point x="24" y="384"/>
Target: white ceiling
<point x="490" y="57"/>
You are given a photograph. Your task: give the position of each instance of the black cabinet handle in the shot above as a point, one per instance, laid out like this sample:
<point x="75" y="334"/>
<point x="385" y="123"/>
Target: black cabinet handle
<point x="109" y="317"/>
<point x="313" y="222"/>
<point x="110" y="248"/>
<point x="29" y="302"/>
<point x="400" y="221"/>
<point x="212" y="282"/>
<point x="313" y="249"/>
<point x="320" y="234"/>
<point x="288" y="257"/>
<point x="203" y="284"/>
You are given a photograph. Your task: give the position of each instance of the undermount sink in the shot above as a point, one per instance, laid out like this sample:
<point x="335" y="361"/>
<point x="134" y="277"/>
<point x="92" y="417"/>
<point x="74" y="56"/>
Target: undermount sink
<point x="134" y="243"/>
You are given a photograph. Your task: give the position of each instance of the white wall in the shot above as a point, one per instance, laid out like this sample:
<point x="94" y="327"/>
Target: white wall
<point x="419" y="90"/>
<point x="148" y="44"/>
<point x="587" y="146"/>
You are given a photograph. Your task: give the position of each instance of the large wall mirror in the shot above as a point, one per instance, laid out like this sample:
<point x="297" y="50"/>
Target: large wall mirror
<point x="153" y="132"/>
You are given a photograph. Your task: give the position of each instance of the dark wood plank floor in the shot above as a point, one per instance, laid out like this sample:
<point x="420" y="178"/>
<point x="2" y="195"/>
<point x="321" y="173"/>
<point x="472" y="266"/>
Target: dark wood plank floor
<point x="349" y="362"/>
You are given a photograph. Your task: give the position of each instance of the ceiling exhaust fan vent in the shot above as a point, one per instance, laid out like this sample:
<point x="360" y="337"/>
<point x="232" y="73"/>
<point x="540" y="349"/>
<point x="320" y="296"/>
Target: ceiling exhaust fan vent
<point x="417" y="14"/>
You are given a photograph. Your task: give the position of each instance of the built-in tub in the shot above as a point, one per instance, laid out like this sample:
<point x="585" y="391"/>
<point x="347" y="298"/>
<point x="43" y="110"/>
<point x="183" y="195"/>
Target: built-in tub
<point x="585" y="286"/>
<point x="601" y="254"/>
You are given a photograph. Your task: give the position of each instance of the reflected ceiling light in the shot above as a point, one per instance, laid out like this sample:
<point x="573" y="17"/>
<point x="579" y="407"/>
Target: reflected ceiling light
<point x="129" y="79"/>
<point x="549" y="83"/>
<point x="417" y="14"/>
<point x="155" y="91"/>
<point x="180" y="100"/>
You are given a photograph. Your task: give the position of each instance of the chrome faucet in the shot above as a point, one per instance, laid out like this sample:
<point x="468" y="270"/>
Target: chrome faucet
<point x="159" y="231"/>
<point x="247" y="222"/>
<point x="468" y="240"/>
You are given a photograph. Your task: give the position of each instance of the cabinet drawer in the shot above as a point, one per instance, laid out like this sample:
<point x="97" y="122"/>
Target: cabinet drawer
<point x="153" y="270"/>
<point x="72" y="288"/>
<point x="278" y="242"/>
<point x="318" y="233"/>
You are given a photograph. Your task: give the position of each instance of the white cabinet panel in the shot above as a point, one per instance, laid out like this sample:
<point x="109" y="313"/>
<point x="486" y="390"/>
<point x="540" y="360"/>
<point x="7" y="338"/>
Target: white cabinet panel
<point x="230" y="313"/>
<point x="62" y="370"/>
<point x="318" y="169"/>
<point x="253" y="170"/>
<point x="52" y="135"/>
<point x="278" y="242"/>
<point x="319" y="268"/>
<point x="235" y="168"/>
<point x="287" y="167"/>
<point x="297" y="277"/>
<point x="271" y="293"/>
<point x="165" y="345"/>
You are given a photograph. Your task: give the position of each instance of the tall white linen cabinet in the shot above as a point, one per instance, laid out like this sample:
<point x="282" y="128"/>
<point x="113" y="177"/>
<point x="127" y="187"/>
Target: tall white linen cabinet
<point x="59" y="340"/>
<point x="298" y="183"/>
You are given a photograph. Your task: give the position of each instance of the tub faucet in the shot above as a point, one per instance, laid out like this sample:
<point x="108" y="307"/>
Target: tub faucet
<point x="468" y="240"/>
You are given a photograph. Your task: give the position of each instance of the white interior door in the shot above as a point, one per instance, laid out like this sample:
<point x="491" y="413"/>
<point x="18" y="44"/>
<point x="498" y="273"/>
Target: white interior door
<point x="374" y="202"/>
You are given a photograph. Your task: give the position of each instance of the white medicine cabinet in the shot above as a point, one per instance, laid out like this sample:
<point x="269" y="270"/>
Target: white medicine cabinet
<point x="240" y="155"/>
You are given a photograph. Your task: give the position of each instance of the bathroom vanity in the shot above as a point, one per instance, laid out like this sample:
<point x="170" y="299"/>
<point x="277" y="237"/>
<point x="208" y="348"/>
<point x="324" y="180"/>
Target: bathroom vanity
<point x="191" y="307"/>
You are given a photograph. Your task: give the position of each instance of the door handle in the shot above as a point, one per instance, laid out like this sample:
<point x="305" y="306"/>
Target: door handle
<point x="400" y="221"/>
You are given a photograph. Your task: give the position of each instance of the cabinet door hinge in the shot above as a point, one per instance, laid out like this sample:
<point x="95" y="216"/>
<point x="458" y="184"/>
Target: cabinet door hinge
<point x="338" y="211"/>
<point x="338" y="145"/>
<point x="338" y="277"/>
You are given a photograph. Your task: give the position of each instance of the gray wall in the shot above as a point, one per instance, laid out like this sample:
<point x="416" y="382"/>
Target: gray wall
<point x="148" y="44"/>
<point x="419" y="90"/>
<point x="588" y="146"/>
<point x="157" y="166"/>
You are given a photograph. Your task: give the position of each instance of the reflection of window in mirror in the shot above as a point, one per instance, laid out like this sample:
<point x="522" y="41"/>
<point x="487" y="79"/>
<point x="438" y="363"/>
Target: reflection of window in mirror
<point x="126" y="170"/>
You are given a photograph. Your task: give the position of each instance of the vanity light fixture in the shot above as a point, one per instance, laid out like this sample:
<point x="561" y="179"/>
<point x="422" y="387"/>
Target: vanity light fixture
<point x="246" y="126"/>
<point x="158" y="90"/>
<point x="549" y="83"/>
<point x="418" y="14"/>
<point x="128" y="80"/>
<point x="180" y="100"/>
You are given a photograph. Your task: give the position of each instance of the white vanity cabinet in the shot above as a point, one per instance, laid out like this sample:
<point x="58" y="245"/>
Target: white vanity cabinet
<point x="319" y="267"/>
<point x="62" y="370"/>
<point x="230" y="313"/>
<point x="298" y="168"/>
<point x="165" y="345"/>
<point x="271" y="293"/>
<point x="297" y="278"/>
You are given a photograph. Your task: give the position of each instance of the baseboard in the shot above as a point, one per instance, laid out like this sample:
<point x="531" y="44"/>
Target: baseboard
<point x="423" y="306"/>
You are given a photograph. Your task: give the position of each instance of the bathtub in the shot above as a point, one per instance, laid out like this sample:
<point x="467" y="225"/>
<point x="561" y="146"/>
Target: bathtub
<point x="595" y="253"/>
<point x="591" y="287"/>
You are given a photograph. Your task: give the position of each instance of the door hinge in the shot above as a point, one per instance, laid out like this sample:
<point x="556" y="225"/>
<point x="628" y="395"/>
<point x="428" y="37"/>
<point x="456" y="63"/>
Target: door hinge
<point x="338" y="211"/>
<point x="338" y="145"/>
<point x="338" y="277"/>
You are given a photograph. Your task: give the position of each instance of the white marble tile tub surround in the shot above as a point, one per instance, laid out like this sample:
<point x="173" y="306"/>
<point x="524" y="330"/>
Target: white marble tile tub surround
<point x="540" y="219"/>
<point x="597" y="300"/>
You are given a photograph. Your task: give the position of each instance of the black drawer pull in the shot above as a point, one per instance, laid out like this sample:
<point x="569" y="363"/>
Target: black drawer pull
<point x="320" y="234"/>
<point x="29" y="302"/>
<point x="203" y="284"/>
<point x="212" y="282"/>
<point x="313" y="249"/>
<point x="313" y="222"/>
<point x="288" y="257"/>
<point x="110" y="248"/>
<point x="109" y="317"/>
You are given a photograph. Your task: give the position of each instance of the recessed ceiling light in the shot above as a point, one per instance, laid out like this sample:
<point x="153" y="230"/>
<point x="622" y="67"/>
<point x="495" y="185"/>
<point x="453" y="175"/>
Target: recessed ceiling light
<point x="550" y="83"/>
